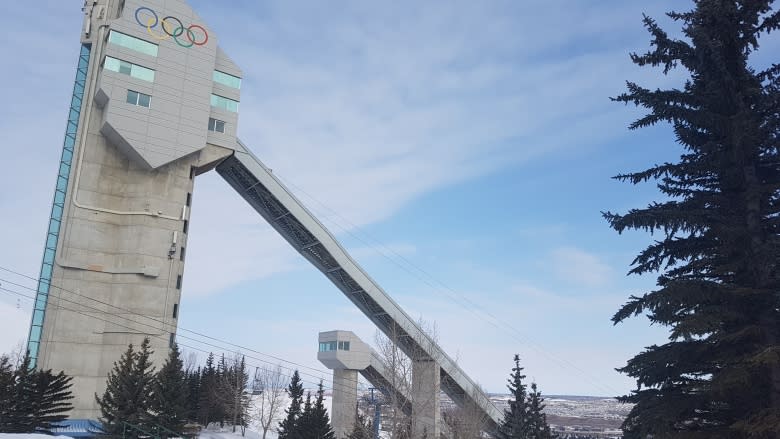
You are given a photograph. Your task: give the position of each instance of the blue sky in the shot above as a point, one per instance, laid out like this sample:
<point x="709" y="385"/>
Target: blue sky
<point x="474" y="141"/>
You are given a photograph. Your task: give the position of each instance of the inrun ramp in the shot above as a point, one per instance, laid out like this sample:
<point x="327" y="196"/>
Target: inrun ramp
<point x="284" y="212"/>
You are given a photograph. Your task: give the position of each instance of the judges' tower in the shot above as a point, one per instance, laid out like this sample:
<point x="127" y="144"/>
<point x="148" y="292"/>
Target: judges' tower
<point x="154" y="103"/>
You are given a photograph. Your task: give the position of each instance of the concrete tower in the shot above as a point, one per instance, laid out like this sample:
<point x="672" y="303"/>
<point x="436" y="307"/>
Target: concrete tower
<point x="155" y="103"/>
<point x="347" y="355"/>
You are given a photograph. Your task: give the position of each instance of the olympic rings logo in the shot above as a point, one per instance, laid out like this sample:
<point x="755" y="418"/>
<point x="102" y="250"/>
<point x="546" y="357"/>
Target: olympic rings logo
<point x="146" y="17"/>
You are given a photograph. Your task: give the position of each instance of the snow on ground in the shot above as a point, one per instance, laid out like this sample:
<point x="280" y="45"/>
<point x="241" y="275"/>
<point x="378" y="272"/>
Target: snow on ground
<point x="27" y="436"/>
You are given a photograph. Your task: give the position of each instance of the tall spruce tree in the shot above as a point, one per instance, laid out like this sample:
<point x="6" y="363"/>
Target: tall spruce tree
<point x="718" y="376"/>
<point x="193" y="393"/>
<point x="207" y="406"/>
<point x="287" y="428"/>
<point x="303" y="426"/>
<point x="524" y="418"/>
<point x="318" y="422"/>
<point x="170" y="395"/>
<point x="127" y="398"/>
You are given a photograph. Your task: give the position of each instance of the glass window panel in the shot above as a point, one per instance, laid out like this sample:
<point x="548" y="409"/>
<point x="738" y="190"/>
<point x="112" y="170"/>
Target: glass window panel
<point x="35" y="333"/>
<point x="59" y="197"/>
<point x="62" y="184"/>
<point x="51" y="241"/>
<point x="54" y="226"/>
<point x="46" y="271"/>
<point x="48" y="256"/>
<point x="67" y="154"/>
<point x="226" y="79"/>
<point x="56" y="212"/>
<point x="144" y="100"/>
<point x="64" y="169"/>
<point x="346" y="345"/>
<point x="142" y="73"/>
<point x="132" y="97"/>
<point x="224" y="103"/>
<point x="133" y="43"/>
<point x="220" y="126"/>
<point x="125" y="67"/>
<point x="37" y="318"/>
<point x="111" y="64"/>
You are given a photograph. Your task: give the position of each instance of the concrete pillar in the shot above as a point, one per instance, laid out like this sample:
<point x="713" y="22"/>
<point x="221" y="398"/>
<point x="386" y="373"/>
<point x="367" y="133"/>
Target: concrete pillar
<point x="344" y="405"/>
<point x="426" y="413"/>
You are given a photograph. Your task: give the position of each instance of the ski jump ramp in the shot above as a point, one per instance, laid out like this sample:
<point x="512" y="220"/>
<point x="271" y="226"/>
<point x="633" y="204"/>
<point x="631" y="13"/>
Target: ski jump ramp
<point x="284" y="212"/>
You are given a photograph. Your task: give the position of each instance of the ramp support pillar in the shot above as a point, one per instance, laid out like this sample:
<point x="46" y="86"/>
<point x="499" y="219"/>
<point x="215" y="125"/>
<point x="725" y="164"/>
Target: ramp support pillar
<point x="345" y="383"/>
<point x="426" y="413"/>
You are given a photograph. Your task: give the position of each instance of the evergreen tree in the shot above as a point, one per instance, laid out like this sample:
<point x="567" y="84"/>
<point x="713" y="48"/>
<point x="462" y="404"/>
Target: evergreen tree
<point x="6" y="390"/>
<point x="718" y="376"/>
<point x="287" y="428"/>
<point x="363" y="428"/>
<point x="127" y="397"/>
<point x="170" y="394"/>
<point x="318" y="422"/>
<point x="524" y="418"/>
<point x="32" y="401"/>
<point x="538" y="420"/>
<point x="207" y="405"/>
<point x="193" y="394"/>
<point x="303" y="427"/>
<point x="51" y="400"/>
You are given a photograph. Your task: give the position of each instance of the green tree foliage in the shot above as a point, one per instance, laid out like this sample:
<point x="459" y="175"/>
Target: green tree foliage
<point x="193" y="393"/>
<point x="316" y="423"/>
<point x="287" y="428"/>
<point x="32" y="401"/>
<point x="718" y="376"/>
<point x="128" y="395"/>
<point x="363" y="428"/>
<point x="303" y="426"/>
<point x="170" y="394"/>
<point x="524" y="418"/>
<point x="209" y="409"/>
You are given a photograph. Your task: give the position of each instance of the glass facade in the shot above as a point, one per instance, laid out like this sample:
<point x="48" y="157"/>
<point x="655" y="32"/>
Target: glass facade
<point x="228" y="80"/>
<point x="328" y="346"/>
<point x="133" y="43"/>
<point x="126" y="68"/>
<point x="58" y="206"/>
<point x="224" y="103"/>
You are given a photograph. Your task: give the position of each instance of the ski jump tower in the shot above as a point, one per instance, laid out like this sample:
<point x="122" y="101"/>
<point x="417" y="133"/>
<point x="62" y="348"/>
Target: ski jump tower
<point x="155" y="103"/>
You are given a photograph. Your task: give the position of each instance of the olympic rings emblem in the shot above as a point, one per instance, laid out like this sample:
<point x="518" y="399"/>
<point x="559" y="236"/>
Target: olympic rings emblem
<point x="147" y="18"/>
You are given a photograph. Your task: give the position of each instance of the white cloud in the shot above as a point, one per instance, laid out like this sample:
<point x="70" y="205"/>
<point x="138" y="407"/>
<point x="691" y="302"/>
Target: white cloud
<point x="577" y="266"/>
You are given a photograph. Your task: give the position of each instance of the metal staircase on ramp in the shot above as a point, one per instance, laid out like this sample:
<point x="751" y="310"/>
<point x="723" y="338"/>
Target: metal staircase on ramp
<point x="285" y="213"/>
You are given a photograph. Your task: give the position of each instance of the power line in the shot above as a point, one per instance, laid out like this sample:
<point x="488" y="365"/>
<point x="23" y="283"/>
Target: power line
<point x="169" y="327"/>
<point x="445" y="290"/>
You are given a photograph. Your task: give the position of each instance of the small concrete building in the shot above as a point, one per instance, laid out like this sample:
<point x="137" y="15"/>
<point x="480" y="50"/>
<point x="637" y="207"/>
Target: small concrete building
<point x="347" y="356"/>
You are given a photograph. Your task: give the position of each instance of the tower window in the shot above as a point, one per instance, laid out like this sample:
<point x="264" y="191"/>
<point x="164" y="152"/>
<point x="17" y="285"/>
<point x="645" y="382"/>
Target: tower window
<point x="140" y="99"/>
<point x="172" y="340"/>
<point x="178" y="282"/>
<point x="226" y="79"/>
<point x="181" y="254"/>
<point x="127" y="68"/>
<point x="186" y="226"/>
<point x="224" y="103"/>
<point x="175" y="310"/>
<point x="189" y="199"/>
<point x="131" y="42"/>
<point x="216" y="125"/>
